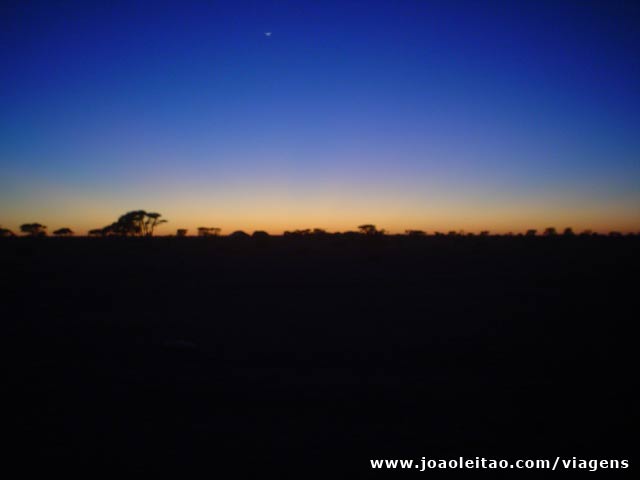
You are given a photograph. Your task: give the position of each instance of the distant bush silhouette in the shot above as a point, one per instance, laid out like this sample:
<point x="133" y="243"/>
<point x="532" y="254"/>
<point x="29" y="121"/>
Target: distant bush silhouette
<point x="260" y="234"/>
<point x="34" y="229"/>
<point x="369" y="229"/>
<point x="484" y="233"/>
<point x="181" y="232"/>
<point x="550" y="232"/>
<point x="306" y="232"/>
<point x="586" y="233"/>
<point x="63" y="232"/>
<point x="239" y="234"/>
<point x="208" y="231"/>
<point x="298" y="233"/>
<point x="5" y="232"/>
<point x="531" y="233"/>
<point x="415" y="233"/>
<point x="568" y="232"/>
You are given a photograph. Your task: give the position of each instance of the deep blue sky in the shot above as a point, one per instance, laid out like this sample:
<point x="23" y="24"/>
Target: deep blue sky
<point x="407" y="114"/>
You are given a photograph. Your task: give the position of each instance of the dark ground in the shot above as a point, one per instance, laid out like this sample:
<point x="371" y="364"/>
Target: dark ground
<point x="304" y="356"/>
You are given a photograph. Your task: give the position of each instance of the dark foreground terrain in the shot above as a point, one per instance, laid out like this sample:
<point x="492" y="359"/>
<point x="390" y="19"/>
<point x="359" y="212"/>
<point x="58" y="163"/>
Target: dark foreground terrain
<point x="313" y="356"/>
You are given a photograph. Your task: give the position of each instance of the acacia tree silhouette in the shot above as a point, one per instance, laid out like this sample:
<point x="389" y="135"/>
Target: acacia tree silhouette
<point x="136" y="223"/>
<point x="34" y="229"/>
<point x="152" y="221"/>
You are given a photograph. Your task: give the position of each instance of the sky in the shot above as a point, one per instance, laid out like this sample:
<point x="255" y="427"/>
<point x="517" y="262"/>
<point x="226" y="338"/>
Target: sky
<point x="407" y="114"/>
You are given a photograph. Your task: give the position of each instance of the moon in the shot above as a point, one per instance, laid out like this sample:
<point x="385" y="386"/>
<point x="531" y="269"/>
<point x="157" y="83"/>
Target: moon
<point x="267" y="34"/>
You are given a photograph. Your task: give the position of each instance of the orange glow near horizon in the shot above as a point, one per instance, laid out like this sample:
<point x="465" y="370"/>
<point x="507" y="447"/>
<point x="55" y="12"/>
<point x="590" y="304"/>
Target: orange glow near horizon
<point x="277" y="212"/>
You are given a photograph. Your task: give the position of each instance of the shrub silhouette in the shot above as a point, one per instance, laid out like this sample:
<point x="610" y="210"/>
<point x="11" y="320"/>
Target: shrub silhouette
<point x="550" y="232"/>
<point x="63" y="232"/>
<point x="298" y="233"/>
<point x="208" y="231"/>
<point x="34" y="229"/>
<point x="568" y="232"/>
<point x="531" y="233"/>
<point x="415" y="233"/>
<point x="239" y="234"/>
<point x="181" y="232"/>
<point x="5" y="232"/>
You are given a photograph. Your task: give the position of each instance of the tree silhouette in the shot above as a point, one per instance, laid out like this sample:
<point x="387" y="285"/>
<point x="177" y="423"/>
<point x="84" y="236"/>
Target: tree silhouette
<point x="568" y="232"/>
<point x="181" y="232"/>
<point x="136" y="223"/>
<point x="63" y="232"/>
<point x="531" y="233"/>
<point x="550" y="232"/>
<point x="34" y="229"/>
<point x="369" y="229"/>
<point x="152" y="221"/>
<point x="131" y="223"/>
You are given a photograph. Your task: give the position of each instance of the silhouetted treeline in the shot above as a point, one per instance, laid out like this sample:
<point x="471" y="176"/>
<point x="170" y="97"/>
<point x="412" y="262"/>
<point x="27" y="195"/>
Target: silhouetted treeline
<point x="139" y="223"/>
